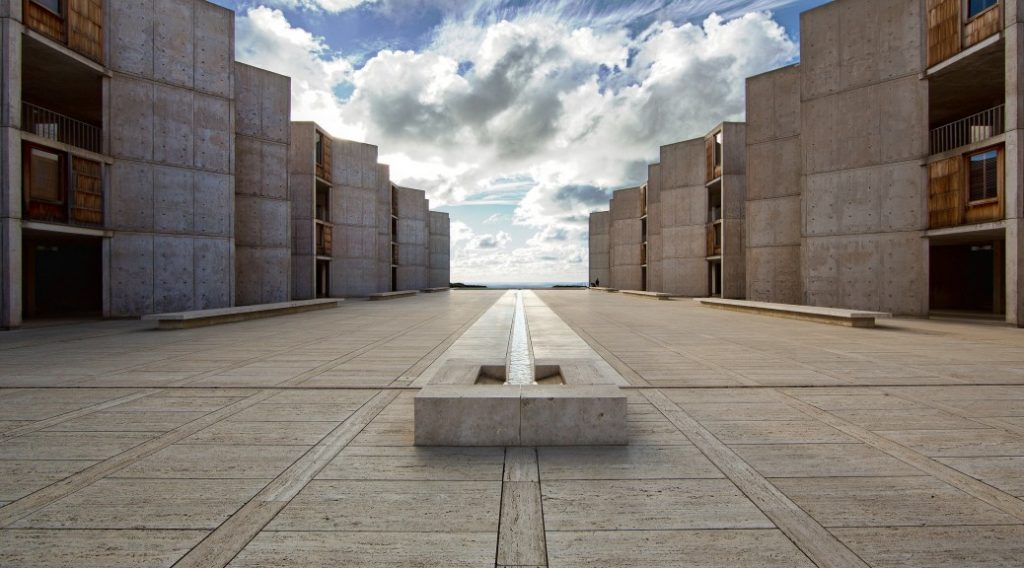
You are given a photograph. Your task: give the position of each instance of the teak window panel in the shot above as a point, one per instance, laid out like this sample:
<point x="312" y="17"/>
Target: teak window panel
<point x="78" y="24"/>
<point x="323" y="156"/>
<point x="945" y="193"/>
<point x="44" y="183"/>
<point x="87" y="189"/>
<point x="985" y="172"/>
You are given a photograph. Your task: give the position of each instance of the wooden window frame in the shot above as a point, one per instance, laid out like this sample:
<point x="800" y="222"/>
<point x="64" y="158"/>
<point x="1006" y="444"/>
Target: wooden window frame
<point x="967" y="18"/>
<point x="1000" y="175"/>
<point x="26" y="172"/>
<point x="63" y="14"/>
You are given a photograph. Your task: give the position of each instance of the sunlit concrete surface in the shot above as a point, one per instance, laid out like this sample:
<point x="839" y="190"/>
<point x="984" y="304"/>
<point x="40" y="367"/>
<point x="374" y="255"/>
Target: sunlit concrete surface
<point x="754" y="441"/>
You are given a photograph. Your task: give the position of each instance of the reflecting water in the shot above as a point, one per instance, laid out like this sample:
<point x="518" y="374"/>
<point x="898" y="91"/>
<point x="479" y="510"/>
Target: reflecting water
<point x="519" y="366"/>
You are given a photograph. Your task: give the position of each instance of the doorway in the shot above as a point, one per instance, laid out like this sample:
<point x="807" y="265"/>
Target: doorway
<point x="62" y="276"/>
<point x="967" y="277"/>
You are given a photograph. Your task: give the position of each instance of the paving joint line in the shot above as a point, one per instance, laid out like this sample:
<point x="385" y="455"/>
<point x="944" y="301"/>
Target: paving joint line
<point x="810" y="537"/>
<point x="978" y="489"/>
<point x="68" y="416"/>
<point x="18" y="509"/>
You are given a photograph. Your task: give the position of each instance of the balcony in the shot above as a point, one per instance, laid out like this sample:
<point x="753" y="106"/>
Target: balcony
<point x="60" y="128"/>
<point x="971" y="130"/>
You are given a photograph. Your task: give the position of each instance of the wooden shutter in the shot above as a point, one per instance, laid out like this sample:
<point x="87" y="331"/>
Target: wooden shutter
<point x="946" y="199"/>
<point x="87" y="206"/>
<point x="944" y="30"/>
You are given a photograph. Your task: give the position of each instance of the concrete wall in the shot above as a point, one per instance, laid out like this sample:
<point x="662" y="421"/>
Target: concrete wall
<point x="440" y="250"/>
<point x="864" y="130"/>
<point x="655" y="243"/>
<point x="600" y="223"/>
<point x="171" y="197"/>
<point x="413" y="238"/>
<point x="10" y="168"/>
<point x="734" y="199"/>
<point x="683" y="200"/>
<point x="625" y="239"/>
<point x="301" y="189"/>
<point x="774" y="167"/>
<point x="262" y="209"/>
<point x="354" y="262"/>
<point x="383" y="228"/>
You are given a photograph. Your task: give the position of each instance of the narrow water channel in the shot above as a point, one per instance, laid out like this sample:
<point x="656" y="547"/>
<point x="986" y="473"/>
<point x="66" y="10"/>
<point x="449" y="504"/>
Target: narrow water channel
<point x="519" y="365"/>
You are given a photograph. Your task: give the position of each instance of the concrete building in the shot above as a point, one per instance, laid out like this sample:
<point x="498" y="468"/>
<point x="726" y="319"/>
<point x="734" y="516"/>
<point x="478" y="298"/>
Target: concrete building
<point x="147" y="167"/>
<point x="262" y="206"/>
<point x="354" y="232"/>
<point x="894" y="148"/>
<point x="440" y="250"/>
<point x="883" y="172"/>
<point x="683" y="231"/>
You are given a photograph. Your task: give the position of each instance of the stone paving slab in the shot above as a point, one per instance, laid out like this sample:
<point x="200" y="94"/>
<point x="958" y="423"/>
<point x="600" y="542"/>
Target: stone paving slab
<point x="754" y="442"/>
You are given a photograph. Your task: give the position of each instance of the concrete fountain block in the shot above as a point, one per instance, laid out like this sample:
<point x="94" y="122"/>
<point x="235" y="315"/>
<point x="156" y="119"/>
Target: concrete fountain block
<point x="467" y="415"/>
<point x="567" y="415"/>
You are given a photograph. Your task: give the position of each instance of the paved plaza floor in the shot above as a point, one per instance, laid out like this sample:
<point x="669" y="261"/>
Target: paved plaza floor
<point x="754" y="441"/>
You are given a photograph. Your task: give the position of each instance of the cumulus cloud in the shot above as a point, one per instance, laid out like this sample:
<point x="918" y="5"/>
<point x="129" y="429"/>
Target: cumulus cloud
<point x="331" y="6"/>
<point x="568" y="99"/>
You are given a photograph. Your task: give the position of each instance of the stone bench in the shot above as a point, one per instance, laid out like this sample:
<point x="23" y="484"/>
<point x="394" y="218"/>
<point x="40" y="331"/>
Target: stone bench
<point x="201" y="318"/>
<point x="438" y="289"/>
<point x="651" y="295"/>
<point x="603" y="289"/>
<point x="834" y="316"/>
<point x="392" y="295"/>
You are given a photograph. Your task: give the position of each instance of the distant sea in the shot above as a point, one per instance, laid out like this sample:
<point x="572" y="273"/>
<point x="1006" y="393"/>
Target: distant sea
<point x="532" y="285"/>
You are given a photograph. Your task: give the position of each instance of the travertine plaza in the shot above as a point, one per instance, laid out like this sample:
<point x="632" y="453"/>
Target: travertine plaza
<point x="509" y="428"/>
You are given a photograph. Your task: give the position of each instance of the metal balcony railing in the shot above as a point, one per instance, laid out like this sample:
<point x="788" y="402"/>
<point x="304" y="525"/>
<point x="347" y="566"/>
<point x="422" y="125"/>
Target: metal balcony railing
<point x="974" y="128"/>
<point x="55" y="126"/>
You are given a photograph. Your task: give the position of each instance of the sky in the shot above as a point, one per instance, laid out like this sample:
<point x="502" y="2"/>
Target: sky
<point x="518" y="118"/>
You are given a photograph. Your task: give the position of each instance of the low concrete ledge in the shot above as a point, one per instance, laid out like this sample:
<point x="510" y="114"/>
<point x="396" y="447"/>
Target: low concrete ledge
<point x="502" y="415"/>
<point x="201" y="318"/>
<point x="392" y="295"/>
<point x="435" y="290"/>
<point x="834" y="316"/>
<point x="651" y="295"/>
<point x="603" y="289"/>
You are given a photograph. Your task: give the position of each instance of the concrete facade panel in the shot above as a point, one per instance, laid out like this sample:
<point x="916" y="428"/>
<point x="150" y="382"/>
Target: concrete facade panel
<point x="131" y="196"/>
<point x="214" y="49"/>
<point x="174" y="201"/>
<point x="132" y="126"/>
<point x="213" y="264"/>
<point x="773" y="222"/>
<point x="773" y="274"/>
<point x="174" y="126"/>
<point x="773" y="169"/>
<point x="213" y="198"/>
<point x="173" y="42"/>
<point x="214" y="136"/>
<point x="684" y="276"/>
<point x="131" y="274"/>
<point x="131" y="48"/>
<point x="174" y="279"/>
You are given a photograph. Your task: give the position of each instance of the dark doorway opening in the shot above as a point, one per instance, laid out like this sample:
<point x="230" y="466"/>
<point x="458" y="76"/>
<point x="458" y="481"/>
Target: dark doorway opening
<point x="967" y="277"/>
<point x="715" y="279"/>
<point x="323" y="279"/>
<point x="62" y="276"/>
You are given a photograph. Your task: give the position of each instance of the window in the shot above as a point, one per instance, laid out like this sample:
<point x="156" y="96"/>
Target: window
<point x="45" y="176"/>
<point x="983" y="175"/>
<point x="51" y="5"/>
<point x="319" y="147"/>
<point x="718" y="150"/>
<point x="975" y="7"/>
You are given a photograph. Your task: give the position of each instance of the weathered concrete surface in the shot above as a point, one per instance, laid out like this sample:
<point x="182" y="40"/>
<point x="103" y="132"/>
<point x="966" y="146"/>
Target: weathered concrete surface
<point x="600" y="222"/>
<point x="262" y="208"/>
<point x="774" y="166"/>
<point x="354" y="260"/>
<point x="413" y="238"/>
<point x="683" y="212"/>
<point x="171" y="190"/>
<point x="624" y="239"/>
<point x="440" y="250"/>
<point x="734" y="195"/>
<point x="302" y="190"/>
<point x="655" y="240"/>
<point x="864" y="125"/>
<point x="269" y="454"/>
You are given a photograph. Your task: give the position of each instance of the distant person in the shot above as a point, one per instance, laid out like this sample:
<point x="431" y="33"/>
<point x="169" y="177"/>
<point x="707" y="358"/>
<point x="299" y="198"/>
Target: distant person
<point x="597" y="283"/>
